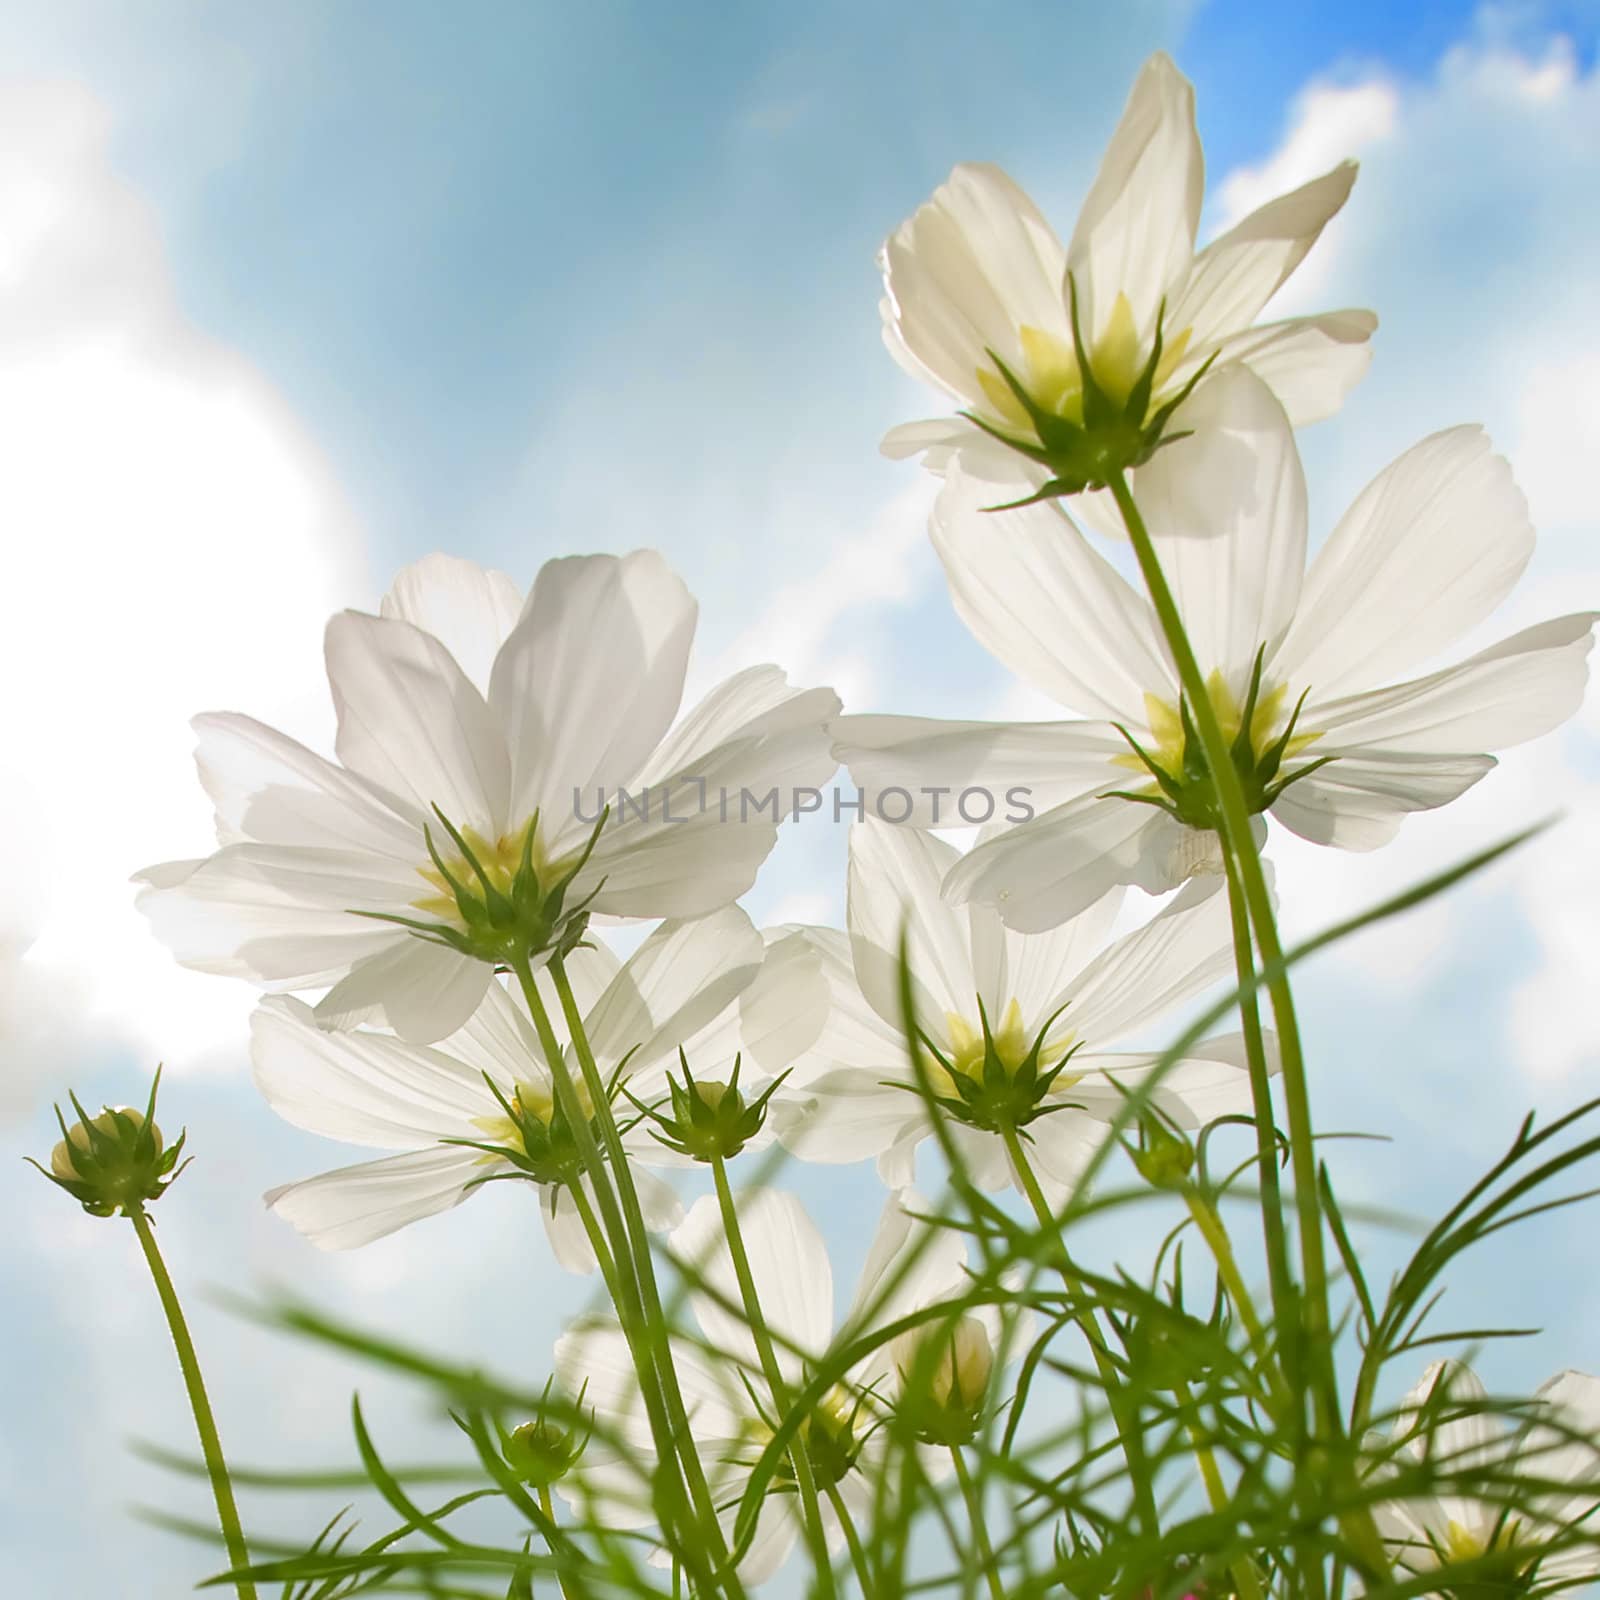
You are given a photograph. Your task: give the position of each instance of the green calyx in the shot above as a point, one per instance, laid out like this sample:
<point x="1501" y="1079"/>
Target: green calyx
<point x="116" y="1161"/>
<point x="1117" y="433"/>
<point x="503" y="918"/>
<point x="707" y="1120"/>
<point x="1185" y="789"/>
<point x="1002" y="1089"/>
<point x="1164" y="1155"/>
<point x="545" y="1449"/>
<point x="944" y="1378"/>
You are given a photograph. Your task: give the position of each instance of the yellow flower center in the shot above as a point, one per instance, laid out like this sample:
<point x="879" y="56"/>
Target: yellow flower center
<point x="499" y="859"/>
<point x="1011" y="1041"/>
<point x="1166" y="744"/>
<point x="531" y="1104"/>
<point x="1050" y="368"/>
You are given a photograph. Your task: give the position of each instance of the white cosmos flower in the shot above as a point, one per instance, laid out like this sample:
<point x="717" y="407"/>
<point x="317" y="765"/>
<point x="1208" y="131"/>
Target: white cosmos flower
<point x="685" y="986"/>
<point x="1558" y="1445"/>
<point x="460" y="696"/>
<point x="1426" y="552"/>
<point x="1083" y="991"/>
<point x="909" y="1266"/>
<point x="977" y="270"/>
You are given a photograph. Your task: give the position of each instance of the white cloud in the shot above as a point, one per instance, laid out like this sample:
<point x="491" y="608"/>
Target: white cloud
<point x="173" y="544"/>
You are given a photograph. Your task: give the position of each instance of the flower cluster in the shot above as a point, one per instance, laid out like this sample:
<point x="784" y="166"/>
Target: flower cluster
<point x="442" y="888"/>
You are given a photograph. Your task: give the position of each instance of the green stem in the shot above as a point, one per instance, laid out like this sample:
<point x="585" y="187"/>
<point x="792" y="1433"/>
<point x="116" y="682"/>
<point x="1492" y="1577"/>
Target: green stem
<point x="1239" y="842"/>
<point x="548" y="1506"/>
<point x="980" y="1531"/>
<point x="852" y="1539"/>
<point x="674" y="1446"/>
<point x="205" y="1424"/>
<point x="1124" y="1413"/>
<point x="1261" y="1096"/>
<point x="1212" y="1229"/>
<point x="633" y="1230"/>
<point x="799" y="1457"/>
<point x="1242" y="1568"/>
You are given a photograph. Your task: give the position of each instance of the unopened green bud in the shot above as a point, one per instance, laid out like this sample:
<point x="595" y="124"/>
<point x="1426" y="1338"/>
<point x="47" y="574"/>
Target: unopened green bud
<point x="1165" y="1156"/>
<point x="944" y="1375"/>
<point x="541" y="1453"/>
<point x="116" y="1161"/>
<point x="707" y="1119"/>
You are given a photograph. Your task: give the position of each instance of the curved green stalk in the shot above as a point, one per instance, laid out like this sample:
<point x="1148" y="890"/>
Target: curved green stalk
<point x="675" y="1449"/>
<point x="811" y="1515"/>
<point x="1239" y="842"/>
<point x="205" y="1424"/>
<point x="1126" y="1417"/>
<point x="638" y="1239"/>
<point x="1247" y="1584"/>
<point x="980" y="1531"/>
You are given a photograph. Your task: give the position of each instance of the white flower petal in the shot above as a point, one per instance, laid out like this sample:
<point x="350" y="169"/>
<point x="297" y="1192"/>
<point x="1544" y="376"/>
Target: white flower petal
<point x="1041" y="966"/>
<point x="678" y="980"/>
<point x="411" y="722"/>
<point x="1183" y="950"/>
<point x="972" y="265"/>
<point x="748" y="756"/>
<point x="278" y="915"/>
<point x="268" y="789"/>
<point x="942" y="774"/>
<point x="356" y="1205"/>
<point x="1040" y="874"/>
<point x="422" y="990"/>
<point x="1359" y="801"/>
<point x="1429" y="548"/>
<point x="1136" y="231"/>
<point x="1236" y="274"/>
<point x="1039" y="598"/>
<point x="910" y="1264"/>
<point x="788" y="1264"/>
<point x="469" y="609"/>
<point x="893" y="889"/>
<point x="1516" y="690"/>
<point x="1227" y="510"/>
<point x="1310" y="363"/>
<point x="365" y="1088"/>
<point x="590" y="678"/>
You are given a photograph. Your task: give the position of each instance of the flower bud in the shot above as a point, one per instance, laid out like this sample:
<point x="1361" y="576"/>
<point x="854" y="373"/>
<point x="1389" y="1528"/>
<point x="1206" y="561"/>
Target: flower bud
<point x="116" y="1161"/>
<point x="1165" y="1154"/>
<point x="706" y="1119"/>
<point x="540" y="1453"/>
<point x="944" y="1375"/>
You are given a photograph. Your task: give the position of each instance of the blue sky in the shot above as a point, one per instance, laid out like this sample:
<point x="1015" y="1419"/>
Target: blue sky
<point x="298" y="293"/>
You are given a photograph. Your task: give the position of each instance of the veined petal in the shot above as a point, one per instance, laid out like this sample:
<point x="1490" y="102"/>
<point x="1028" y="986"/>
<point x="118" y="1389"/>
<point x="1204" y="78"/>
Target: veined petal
<point x="1429" y="548"/>
<point x="1038" y="597"/>
<point x="964" y="273"/>
<point x="910" y="1264"/>
<point x="850" y="1116"/>
<point x="1041" y="966"/>
<point x="1236" y="274"/>
<point x="423" y="990"/>
<point x="1181" y="951"/>
<point x="948" y="773"/>
<point x="894" y="887"/>
<point x="469" y="609"/>
<point x="1516" y="690"/>
<point x="278" y="915"/>
<point x="411" y="722"/>
<point x="364" y="1088"/>
<point x="1040" y="874"/>
<point x="852" y="1037"/>
<point x="356" y="1205"/>
<point x="269" y="789"/>
<point x="1226" y="508"/>
<point x="1309" y="363"/>
<point x="591" y="676"/>
<point x="1210" y="1080"/>
<point x="678" y="980"/>
<point x="752" y="753"/>
<point x="788" y="1263"/>
<point x="1359" y="801"/>
<point x="1136" y="231"/>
